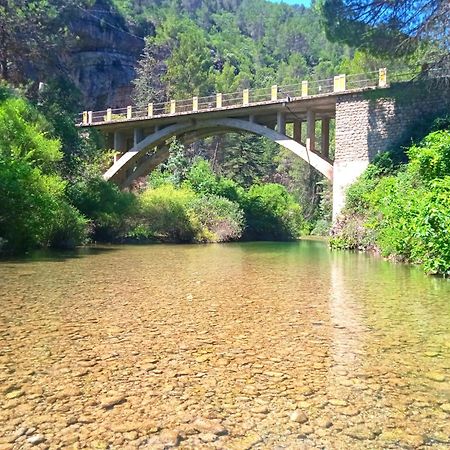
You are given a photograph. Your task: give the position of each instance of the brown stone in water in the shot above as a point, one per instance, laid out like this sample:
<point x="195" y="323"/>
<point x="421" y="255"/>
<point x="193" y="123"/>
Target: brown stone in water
<point x="360" y="433"/>
<point x="209" y="426"/>
<point x="338" y="402"/>
<point x="247" y="442"/>
<point x="110" y="402"/>
<point x="167" y="438"/>
<point x="298" y="416"/>
<point x="124" y="427"/>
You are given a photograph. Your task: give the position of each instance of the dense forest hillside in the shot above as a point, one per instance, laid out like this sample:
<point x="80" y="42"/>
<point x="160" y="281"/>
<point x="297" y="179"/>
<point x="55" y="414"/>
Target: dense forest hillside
<point x="197" y="47"/>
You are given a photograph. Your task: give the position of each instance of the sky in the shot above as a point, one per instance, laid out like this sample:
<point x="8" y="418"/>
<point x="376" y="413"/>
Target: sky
<point x="293" y="2"/>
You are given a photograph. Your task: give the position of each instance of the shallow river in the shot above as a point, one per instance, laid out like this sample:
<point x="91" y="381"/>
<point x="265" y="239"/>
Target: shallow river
<point x="256" y="345"/>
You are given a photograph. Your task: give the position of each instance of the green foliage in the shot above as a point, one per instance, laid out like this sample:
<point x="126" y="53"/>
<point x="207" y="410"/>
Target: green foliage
<point x="403" y="27"/>
<point x="431" y="158"/>
<point x="178" y="214"/>
<point x="34" y="210"/>
<point x="60" y="102"/>
<point x="350" y="232"/>
<point x="211" y="208"/>
<point x="201" y="47"/>
<point x="70" y="228"/>
<point x="271" y="213"/>
<point x="189" y="65"/>
<point x="204" y="181"/>
<point x="174" y="170"/>
<point x="148" y="86"/>
<point x="108" y="208"/>
<point x="432" y="229"/>
<point x="322" y="224"/>
<point x="405" y="215"/>
<point x="221" y="219"/>
<point x="23" y="135"/>
<point x="164" y="214"/>
<point x="247" y="159"/>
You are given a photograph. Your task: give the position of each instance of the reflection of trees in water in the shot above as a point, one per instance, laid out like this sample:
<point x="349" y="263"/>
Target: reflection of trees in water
<point x="347" y="333"/>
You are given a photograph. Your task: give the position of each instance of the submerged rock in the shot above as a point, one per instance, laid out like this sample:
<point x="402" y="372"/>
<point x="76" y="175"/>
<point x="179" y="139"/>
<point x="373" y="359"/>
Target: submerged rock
<point x="298" y="416"/>
<point x="111" y="401"/>
<point x="209" y="426"/>
<point x="36" y="439"/>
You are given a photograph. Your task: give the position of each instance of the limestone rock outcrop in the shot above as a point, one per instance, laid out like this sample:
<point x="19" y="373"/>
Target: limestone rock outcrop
<point x="102" y="58"/>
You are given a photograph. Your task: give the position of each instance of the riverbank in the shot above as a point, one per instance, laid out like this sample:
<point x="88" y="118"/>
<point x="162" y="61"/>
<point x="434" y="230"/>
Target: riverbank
<point x="402" y="209"/>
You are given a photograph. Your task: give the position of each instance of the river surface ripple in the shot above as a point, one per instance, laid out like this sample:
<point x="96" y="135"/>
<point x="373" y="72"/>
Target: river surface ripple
<point x="254" y="345"/>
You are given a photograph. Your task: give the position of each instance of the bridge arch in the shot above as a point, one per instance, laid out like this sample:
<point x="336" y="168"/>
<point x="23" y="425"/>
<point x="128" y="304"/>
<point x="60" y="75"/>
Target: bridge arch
<point x="135" y="157"/>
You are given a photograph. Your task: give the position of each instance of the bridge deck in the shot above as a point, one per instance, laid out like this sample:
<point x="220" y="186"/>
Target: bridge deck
<point x="294" y="101"/>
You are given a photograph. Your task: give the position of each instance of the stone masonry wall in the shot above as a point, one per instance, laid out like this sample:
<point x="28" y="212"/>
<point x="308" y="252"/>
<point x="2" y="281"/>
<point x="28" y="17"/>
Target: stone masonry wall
<point x="370" y="123"/>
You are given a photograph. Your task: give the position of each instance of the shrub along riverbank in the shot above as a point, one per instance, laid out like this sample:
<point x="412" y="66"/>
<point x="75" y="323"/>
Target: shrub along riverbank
<point x="403" y="210"/>
<point x="199" y="207"/>
<point x="44" y="204"/>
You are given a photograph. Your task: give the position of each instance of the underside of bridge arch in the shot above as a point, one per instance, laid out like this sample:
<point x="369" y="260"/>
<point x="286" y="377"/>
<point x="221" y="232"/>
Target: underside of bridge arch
<point x="152" y="150"/>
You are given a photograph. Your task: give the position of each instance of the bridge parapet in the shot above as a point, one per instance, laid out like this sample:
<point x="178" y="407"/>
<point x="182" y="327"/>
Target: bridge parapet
<point x="247" y="97"/>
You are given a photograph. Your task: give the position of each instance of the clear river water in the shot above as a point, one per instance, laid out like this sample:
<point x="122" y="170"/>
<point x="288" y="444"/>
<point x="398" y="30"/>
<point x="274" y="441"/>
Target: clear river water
<point x="235" y="346"/>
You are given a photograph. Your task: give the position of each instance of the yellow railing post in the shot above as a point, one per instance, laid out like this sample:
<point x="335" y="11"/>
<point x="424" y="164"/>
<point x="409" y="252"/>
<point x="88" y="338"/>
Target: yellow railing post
<point x="304" y="88"/>
<point x="109" y="115"/>
<point x="274" y="93"/>
<point x="339" y="84"/>
<point x="336" y="83"/>
<point x="194" y="103"/>
<point x="150" y="110"/>
<point x="245" y="97"/>
<point x="382" y="77"/>
<point x="218" y="100"/>
<point x="173" y="106"/>
<point x="85" y="117"/>
<point x="129" y="112"/>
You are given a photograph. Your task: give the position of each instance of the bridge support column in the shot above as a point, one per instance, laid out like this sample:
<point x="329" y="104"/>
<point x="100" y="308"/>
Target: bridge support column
<point x="120" y="144"/>
<point x="138" y="135"/>
<point x="298" y="131"/>
<point x="281" y="122"/>
<point x="325" y="137"/>
<point x="311" y="130"/>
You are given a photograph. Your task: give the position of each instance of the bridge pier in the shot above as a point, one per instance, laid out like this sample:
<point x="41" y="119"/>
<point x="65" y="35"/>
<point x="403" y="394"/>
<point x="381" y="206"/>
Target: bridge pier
<point x="297" y="131"/>
<point x="138" y="135"/>
<point x="325" y="148"/>
<point x="311" y="130"/>
<point x="281" y="122"/>
<point x="120" y="144"/>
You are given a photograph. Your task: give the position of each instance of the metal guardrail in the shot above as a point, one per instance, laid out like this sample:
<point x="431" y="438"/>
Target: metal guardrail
<point x="246" y="97"/>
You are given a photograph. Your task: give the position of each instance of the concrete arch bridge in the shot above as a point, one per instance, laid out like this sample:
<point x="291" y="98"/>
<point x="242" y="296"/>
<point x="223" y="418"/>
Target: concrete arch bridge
<point x="364" y="127"/>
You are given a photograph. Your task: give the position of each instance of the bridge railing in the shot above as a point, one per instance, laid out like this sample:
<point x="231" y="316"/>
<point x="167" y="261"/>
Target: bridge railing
<point x="246" y="97"/>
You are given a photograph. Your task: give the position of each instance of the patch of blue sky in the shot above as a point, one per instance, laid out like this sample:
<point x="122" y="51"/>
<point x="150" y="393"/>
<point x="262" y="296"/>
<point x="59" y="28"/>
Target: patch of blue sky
<point x="293" y="2"/>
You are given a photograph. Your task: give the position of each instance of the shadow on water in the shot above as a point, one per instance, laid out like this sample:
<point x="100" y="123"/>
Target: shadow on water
<point x="48" y="255"/>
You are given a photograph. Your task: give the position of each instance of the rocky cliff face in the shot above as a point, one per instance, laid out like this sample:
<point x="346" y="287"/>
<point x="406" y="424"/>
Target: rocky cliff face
<point x="102" y="59"/>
